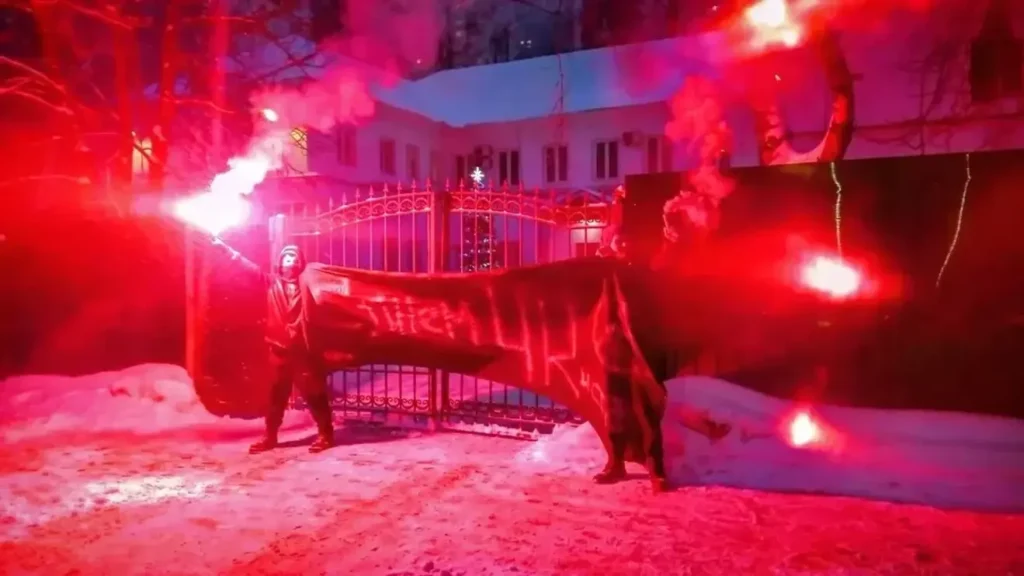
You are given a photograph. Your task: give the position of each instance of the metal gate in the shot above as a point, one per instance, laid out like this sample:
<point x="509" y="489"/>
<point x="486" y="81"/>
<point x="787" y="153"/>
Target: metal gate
<point x="429" y="230"/>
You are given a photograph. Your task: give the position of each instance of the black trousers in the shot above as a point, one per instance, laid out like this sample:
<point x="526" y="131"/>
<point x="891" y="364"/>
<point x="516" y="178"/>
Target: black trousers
<point x="296" y="368"/>
<point x="623" y="411"/>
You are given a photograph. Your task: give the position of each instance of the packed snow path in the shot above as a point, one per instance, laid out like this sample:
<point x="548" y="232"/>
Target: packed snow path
<point x="155" y="488"/>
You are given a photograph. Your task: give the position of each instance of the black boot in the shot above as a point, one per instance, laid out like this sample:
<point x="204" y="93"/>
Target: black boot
<point x="656" y="470"/>
<point x="324" y="441"/>
<point x="279" y="391"/>
<point x="656" y="461"/>
<point x="267" y="442"/>
<point x="320" y="408"/>
<point x="615" y="470"/>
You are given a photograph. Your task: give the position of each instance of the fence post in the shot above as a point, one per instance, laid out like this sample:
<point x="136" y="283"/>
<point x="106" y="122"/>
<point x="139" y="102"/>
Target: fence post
<point x="277" y="230"/>
<point x="437" y="262"/>
<point x="192" y="351"/>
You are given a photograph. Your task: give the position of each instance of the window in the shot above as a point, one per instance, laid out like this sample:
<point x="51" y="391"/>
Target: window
<point x="387" y="156"/>
<point x="300" y="139"/>
<point x="471" y="25"/>
<point x="659" y="154"/>
<point x="996" y="57"/>
<point x="586" y="249"/>
<point x="996" y="67"/>
<point x="556" y="163"/>
<point x="141" y="155"/>
<point x="606" y="160"/>
<point x="347" y="146"/>
<point x="412" y="161"/>
<point x="461" y="173"/>
<point x="500" y="42"/>
<point x="508" y="167"/>
<point x="435" y="167"/>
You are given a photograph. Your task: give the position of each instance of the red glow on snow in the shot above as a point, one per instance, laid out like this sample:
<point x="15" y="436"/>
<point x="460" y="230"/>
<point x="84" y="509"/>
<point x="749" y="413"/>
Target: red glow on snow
<point x="804" y="431"/>
<point x="831" y="276"/>
<point x="126" y="472"/>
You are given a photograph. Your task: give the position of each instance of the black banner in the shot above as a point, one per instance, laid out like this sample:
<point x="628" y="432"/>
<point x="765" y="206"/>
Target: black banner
<point x="558" y="331"/>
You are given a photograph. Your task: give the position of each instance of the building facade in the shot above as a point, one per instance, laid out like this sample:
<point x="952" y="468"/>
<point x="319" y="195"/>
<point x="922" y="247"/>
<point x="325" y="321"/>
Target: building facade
<point x="924" y="84"/>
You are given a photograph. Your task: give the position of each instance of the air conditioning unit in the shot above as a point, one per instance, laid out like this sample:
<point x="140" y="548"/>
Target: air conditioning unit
<point x="632" y="139"/>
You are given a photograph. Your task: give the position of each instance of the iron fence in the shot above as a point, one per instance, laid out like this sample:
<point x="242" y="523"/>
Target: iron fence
<point x="445" y="229"/>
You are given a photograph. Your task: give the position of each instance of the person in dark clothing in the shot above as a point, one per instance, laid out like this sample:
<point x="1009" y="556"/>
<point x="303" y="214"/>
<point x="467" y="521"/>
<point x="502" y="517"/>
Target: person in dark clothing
<point x="624" y="410"/>
<point x="612" y="245"/>
<point x="291" y="361"/>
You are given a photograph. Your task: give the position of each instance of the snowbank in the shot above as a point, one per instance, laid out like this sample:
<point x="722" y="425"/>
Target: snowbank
<point x="142" y="400"/>
<point x="940" y="459"/>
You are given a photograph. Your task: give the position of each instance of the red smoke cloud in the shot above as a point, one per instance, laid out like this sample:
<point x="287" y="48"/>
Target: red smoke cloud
<point x="340" y="96"/>
<point x="698" y="118"/>
<point x="697" y="109"/>
<point x="379" y="44"/>
<point x="376" y="36"/>
<point x="394" y="38"/>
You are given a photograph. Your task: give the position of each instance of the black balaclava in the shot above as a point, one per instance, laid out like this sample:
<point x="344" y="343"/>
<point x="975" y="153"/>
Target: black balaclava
<point x="300" y="262"/>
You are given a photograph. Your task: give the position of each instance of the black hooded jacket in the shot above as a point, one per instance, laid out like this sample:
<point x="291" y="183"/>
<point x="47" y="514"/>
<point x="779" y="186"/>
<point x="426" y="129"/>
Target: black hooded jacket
<point x="286" y="326"/>
<point x="286" y="316"/>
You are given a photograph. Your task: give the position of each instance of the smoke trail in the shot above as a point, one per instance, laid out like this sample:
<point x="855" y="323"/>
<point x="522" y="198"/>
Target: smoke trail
<point x="379" y="40"/>
<point x="698" y="118"/>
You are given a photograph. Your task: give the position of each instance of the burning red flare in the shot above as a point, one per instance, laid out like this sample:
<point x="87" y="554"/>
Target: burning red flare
<point x="804" y="431"/>
<point x="773" y="22"/>
<point x="832" y="277"/>
<point x="226" y="204"/>
<point x="213" y="213"/>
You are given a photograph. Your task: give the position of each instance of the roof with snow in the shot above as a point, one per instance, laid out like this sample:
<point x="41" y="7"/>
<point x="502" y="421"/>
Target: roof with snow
<point x="591" y="80"/>
<point x="581" y="81"/>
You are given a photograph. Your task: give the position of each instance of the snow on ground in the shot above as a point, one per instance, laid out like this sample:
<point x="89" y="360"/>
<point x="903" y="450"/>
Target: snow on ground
<point x="953" y="460"/>
<point x="125" y="474"/>
<point x="942" y="459"/>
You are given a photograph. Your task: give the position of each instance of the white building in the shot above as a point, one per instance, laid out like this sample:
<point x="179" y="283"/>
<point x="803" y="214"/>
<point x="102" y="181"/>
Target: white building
<point x="585" y="119"/>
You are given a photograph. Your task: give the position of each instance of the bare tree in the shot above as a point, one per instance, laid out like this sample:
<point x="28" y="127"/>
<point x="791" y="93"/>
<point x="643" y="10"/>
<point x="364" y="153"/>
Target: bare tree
<point x="938" y="56"/>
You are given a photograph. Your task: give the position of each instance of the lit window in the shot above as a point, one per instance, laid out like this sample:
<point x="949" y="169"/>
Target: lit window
<point x="300" y="139"/>
<point x="141" y="154"/>
<point x="298" y="155"/>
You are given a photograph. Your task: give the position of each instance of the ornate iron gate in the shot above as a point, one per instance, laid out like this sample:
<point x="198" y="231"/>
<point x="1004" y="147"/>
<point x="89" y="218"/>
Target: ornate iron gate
<point x="430" y="230"/>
